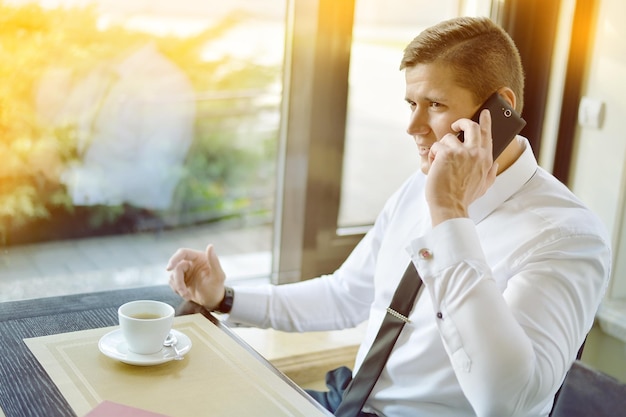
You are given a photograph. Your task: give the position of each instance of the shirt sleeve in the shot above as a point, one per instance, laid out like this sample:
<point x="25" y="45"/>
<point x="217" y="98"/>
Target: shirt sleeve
<point x="509" y="348"/>
<point x="331" y="302"/>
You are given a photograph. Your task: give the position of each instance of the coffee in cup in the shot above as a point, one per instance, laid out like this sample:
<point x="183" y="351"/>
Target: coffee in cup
<point x="145" y="324"/>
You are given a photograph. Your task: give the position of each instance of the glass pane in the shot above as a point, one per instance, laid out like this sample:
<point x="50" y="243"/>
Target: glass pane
<point x="379" y="154"/>
<point x="130" y="129"/>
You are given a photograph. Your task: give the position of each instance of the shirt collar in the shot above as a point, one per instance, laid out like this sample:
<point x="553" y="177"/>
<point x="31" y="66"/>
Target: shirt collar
<point x="507" y="183"/>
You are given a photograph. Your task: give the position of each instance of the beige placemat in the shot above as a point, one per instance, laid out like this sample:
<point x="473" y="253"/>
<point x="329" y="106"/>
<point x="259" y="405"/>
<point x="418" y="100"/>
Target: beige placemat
<point x="218" y="377"/>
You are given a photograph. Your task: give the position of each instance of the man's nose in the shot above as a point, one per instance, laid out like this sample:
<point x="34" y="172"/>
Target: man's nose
<point x="418" y="122"/>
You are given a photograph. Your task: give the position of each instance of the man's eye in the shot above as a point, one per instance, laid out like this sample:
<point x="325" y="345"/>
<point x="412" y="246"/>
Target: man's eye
<point x="411" y="104"/>
<point x="435" y="105"/>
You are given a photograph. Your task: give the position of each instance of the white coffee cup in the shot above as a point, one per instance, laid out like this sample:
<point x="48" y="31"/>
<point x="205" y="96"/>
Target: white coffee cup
<point x="145" y="324"/>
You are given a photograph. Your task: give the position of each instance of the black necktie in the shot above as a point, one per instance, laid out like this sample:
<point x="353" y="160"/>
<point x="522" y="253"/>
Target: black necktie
<point x="361" y="386"/>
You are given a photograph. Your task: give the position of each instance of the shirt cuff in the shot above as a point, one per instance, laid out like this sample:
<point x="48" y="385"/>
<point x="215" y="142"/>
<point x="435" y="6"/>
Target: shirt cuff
<point x="448" y="244"/>
<point x="250" y="305"/>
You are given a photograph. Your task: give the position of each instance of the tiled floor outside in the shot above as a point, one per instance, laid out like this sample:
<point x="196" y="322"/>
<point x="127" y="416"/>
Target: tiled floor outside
<point x="95" y="264"/>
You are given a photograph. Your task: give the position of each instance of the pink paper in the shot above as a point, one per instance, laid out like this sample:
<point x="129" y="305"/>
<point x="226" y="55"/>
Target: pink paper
<point x="111" y="409"/>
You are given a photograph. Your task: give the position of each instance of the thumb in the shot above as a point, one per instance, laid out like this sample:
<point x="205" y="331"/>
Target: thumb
<point x="214" y="262"/>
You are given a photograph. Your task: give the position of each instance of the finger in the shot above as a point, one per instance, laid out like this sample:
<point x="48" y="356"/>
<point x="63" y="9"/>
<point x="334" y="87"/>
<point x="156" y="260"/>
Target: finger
<point x="461" y="127"/>
<point x="485" y="126"/>
<point x="214" y="262"/>
<point x="174" y="280"/>
<point x="474" y="133"/>
<point x="180" y="255"/>
<point x="491" y="176"/>
<point x="432" y="153"/>
<point x="177" y="277"/>
<point x="494" y="170"/>
<point x="450" y="140"/>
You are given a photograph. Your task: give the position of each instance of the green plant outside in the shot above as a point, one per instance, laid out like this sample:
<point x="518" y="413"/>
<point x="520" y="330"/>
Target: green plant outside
<point x="228" y="157"/>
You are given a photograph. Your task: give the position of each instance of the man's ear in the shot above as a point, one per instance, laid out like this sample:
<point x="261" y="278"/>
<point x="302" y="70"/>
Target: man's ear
<point x="507" y="94"/>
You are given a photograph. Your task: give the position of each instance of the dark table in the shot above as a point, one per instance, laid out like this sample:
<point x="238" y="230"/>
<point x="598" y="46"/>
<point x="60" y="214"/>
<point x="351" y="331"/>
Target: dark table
<point x="25" y="388"/>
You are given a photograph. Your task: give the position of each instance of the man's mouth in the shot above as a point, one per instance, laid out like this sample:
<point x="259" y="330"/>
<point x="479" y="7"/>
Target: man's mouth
<point x="423" y="150"/>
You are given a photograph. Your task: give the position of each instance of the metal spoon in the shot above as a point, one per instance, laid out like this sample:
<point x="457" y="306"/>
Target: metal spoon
<point x="171" y="341"/>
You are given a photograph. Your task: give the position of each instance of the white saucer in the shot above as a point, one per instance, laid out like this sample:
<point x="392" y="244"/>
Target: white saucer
<point x="113" y="345"/>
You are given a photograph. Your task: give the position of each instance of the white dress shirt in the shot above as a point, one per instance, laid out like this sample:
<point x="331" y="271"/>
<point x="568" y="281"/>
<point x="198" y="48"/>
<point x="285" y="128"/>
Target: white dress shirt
<point x="509" y="296"/>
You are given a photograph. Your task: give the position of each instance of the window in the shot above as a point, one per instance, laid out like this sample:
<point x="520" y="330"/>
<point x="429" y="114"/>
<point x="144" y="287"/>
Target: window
<point x="378" y="154"/>
<point x="131" y="129"/>
<point x="135" y="128"/>
<point x="346" y="145"/>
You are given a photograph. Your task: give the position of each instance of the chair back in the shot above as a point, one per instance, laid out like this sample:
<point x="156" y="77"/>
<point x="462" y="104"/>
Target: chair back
<point x="587" y="392"/>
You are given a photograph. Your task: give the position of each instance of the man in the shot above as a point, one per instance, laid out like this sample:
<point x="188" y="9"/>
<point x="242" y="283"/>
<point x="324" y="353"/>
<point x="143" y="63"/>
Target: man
<point x="513" y="265"/>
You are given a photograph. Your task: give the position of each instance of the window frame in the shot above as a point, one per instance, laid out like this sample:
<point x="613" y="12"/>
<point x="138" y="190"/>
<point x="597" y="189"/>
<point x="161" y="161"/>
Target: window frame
<point x="306" y="238"/>
<point x="308" y="241"/>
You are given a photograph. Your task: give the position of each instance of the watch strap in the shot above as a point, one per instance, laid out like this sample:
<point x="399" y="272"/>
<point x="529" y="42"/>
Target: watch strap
<point x="227" y="302"/>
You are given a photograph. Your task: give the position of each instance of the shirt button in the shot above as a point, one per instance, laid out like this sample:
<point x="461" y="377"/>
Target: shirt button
<point x="439" y="315"/>
<point x="425" y="253"/>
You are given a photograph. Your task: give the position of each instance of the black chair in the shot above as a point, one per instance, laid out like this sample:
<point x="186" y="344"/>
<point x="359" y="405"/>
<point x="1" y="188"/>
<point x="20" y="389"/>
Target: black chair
<point x="587" y="392"/>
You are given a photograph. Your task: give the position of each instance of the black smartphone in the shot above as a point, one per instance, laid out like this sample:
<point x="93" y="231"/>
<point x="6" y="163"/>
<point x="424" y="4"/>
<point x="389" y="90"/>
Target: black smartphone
<point x="505" y="122"/>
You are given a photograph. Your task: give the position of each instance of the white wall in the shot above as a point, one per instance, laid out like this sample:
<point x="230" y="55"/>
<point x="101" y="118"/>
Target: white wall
<point x="599" y="178"/>
<point x="598" y="171"/>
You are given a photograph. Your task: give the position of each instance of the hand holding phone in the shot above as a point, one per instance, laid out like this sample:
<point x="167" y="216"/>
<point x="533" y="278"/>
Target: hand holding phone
<point x="505" y="122"/>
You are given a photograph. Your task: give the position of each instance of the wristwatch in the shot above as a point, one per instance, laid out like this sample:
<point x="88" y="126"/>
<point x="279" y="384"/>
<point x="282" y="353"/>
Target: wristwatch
<point x="227" y="302"/>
